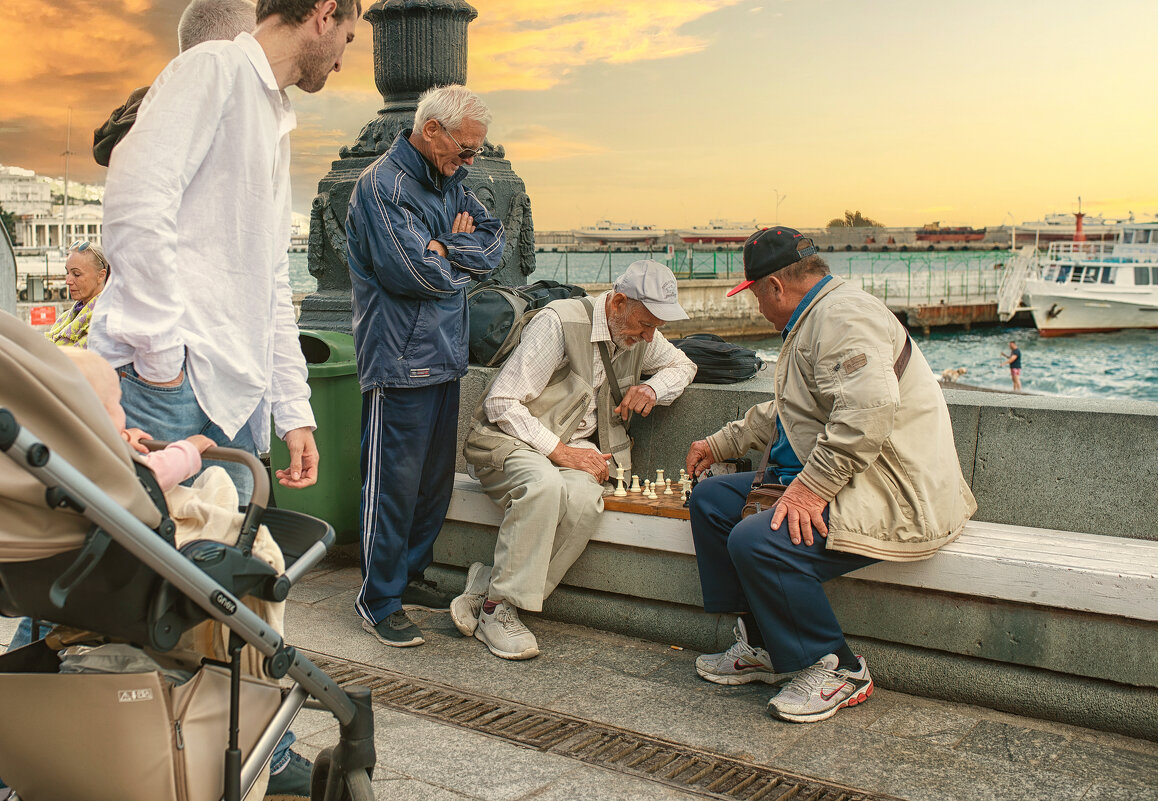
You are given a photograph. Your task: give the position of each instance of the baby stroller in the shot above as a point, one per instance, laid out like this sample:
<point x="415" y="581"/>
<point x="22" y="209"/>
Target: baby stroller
<point x="103" y="559"/>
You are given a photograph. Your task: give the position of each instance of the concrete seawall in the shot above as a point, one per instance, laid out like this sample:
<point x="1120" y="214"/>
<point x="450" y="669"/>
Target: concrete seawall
<point x="1075" y="465"/>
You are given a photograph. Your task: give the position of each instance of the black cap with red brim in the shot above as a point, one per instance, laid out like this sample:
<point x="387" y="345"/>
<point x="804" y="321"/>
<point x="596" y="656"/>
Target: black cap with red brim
<point x="769" y="250"/>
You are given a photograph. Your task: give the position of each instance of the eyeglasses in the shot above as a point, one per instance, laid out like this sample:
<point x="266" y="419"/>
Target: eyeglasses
<point x="81" y="245"/>
<point x="464" y="153"/>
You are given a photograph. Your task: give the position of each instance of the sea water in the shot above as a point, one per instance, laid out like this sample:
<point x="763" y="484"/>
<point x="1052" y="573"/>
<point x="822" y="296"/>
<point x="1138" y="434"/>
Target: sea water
<point x="1122" y="365"/>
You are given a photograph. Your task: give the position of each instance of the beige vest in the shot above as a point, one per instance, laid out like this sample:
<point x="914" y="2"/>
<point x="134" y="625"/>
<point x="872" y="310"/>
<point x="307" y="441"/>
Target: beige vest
<point x="563" y="402"/>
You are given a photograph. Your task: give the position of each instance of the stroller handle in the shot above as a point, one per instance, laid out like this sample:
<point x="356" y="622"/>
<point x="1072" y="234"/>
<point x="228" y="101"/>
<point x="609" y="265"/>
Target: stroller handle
<point x="260" y="496"/>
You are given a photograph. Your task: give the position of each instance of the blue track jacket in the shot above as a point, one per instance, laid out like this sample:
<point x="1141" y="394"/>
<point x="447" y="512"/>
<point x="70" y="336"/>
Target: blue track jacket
<point x="410" y="324"/>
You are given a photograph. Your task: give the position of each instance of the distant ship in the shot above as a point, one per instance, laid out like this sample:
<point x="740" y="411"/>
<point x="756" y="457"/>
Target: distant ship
<point x="1061" y="228"/>
<point x="606" y="232"/>
<point x="934" y="232"/>
<point x="718" y="232"/>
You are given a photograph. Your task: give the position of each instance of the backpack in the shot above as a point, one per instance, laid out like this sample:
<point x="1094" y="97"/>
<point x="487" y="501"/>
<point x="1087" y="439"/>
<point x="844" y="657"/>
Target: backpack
<point x="719" y="361"/>
<point x="498" y="313"/>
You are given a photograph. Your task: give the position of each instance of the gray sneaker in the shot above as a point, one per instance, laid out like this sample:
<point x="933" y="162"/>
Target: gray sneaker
<point x="422" y="593"/>
<point x="396" y="629"/>
<point x="506" y="636"/>
<point x="819" y="691"/>
<point x="739" y="664"/>
<point x="465" y="608"/>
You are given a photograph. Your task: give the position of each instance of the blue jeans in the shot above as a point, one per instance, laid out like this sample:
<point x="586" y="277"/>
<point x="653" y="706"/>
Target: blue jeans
<point x="173" y="413"/>
<point x="409" y="442"/>
<point x="746" y="566"/>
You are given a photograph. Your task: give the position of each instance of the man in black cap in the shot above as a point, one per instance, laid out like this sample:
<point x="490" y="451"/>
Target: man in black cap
<point x="859" y="432"/>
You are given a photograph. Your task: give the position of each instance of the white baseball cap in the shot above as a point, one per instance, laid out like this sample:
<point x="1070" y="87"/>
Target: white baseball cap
<point x="653" y="285"/>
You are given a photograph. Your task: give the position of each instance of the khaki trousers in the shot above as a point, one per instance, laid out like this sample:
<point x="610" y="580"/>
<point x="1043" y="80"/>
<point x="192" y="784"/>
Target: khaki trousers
<point x="549" y="514"/>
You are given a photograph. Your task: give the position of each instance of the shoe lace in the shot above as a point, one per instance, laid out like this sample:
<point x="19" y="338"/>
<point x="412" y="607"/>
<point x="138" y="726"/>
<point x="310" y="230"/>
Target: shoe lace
<point x="509" y="618"/>
<point x="809" y="681"/>
<point x="738" y="650"/>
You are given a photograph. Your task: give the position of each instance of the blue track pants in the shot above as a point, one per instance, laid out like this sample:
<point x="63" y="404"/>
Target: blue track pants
<point x="409" y="442"/>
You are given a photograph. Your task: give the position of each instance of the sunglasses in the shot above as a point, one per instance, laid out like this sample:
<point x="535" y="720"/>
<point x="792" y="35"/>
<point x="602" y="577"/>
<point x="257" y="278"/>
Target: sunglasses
<point x="81" y="245"/>
<point x="464" y="153"/>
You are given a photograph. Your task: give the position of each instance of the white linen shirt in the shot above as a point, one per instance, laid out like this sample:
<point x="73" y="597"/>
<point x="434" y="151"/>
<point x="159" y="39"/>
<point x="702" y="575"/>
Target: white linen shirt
<point x="197" y="229"/>
<point x="541" y="352"/>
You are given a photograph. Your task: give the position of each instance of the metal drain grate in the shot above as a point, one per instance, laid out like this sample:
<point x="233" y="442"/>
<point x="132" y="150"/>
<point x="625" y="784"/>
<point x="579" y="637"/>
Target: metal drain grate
<point x="680" y="766"/>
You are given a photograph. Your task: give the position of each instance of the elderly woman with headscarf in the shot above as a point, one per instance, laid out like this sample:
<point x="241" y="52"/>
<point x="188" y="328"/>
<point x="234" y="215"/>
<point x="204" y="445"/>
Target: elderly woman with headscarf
<point x="86" y="271"/>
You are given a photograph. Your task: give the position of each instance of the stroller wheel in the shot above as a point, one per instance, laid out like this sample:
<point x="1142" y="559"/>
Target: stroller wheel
<point x="355" y="786"/>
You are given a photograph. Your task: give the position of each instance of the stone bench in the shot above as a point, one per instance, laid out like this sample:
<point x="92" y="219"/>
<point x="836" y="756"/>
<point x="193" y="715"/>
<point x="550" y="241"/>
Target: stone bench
<point x="1081" y="572"/>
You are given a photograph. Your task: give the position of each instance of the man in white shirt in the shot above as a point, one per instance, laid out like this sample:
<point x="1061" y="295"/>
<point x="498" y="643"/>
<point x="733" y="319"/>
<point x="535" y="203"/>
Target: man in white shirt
<point x="199" y="318"/>
<point x="542" y="437"/>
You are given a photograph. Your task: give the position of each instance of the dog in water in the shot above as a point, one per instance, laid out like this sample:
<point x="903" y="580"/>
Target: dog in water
<point x="951" y="375"/>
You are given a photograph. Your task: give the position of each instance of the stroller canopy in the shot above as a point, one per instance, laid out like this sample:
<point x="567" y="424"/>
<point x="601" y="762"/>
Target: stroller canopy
<point x="51" y="398"/>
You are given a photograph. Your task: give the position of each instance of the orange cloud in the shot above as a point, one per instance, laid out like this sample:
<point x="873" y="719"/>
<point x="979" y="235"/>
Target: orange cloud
<point x="534" y="44"/>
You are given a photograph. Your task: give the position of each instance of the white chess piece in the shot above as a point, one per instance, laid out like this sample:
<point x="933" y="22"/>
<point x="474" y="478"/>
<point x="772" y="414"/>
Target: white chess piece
<point x="651" y="494"/>
<point x="619" y="490"/>
<point x="659" y="476"/>
<point x="667" y="485"/>
<point x="635" y="483"/>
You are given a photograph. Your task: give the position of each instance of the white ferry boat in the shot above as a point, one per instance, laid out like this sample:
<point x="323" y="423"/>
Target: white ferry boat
<point x="718" y="232"/>
<point x="1084" y="287"/>
<point x="606" y="232"/>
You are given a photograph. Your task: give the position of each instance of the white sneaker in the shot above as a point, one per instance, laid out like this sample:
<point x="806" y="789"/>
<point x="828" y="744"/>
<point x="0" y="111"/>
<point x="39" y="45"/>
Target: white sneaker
<point x="506" y="636"/>
<point x="739" y="664"/>
<point x="819" y="691"/>
<point x="465" y="608"/>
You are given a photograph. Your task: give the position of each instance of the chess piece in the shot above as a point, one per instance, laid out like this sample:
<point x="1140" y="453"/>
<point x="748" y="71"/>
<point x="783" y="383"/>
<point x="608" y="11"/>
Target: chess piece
<point x="619" y="490"/>
<point x="659" y="476"/>
<point x="635" y="483"/>
<point x="667" y="485"/>
<point x="651" y="494"/>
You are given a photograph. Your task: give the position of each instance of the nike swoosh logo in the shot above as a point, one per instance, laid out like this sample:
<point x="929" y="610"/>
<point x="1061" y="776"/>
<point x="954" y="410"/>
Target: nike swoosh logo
<point x="738" y="665"/>
<point x="829" y="696"/>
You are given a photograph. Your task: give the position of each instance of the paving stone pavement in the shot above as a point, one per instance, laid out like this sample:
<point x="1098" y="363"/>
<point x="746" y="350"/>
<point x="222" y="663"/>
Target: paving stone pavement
<point x="901" y="745"/>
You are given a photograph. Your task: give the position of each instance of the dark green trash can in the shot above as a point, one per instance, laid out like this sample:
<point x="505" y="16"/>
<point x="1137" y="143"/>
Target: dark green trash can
<point x="337" y="404"/>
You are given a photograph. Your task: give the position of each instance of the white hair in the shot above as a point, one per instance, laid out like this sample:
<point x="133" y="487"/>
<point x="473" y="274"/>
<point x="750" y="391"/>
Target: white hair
<point x="451" y="106"/>
<point x="208" y="20"/>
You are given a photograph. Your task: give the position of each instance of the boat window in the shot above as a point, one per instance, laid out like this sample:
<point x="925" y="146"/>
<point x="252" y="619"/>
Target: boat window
<point x="1141" y="276"/>
<point x="1076" y="278"/>
<point x="1108" y="275"/>
<point x="1065" y="273"/>
<point x="1154" y="275"/>
<point x="1091" y="276"/>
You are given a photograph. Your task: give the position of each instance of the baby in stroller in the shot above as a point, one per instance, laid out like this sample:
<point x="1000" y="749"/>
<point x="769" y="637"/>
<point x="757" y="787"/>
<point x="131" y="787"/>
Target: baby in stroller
<point x="111" y="559"/>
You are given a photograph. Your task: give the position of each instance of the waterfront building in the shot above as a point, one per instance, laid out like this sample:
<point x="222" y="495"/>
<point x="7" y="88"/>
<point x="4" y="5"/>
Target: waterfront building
<point x="49" y="231"/>
<point x="23" y="192"/>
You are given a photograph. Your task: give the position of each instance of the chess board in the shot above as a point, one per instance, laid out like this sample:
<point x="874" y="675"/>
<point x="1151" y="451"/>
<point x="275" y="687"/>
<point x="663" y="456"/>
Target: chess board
<point x="637" y="503"/>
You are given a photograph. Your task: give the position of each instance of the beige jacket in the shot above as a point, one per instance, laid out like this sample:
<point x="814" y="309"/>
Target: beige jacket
<point x="880" y="452"/>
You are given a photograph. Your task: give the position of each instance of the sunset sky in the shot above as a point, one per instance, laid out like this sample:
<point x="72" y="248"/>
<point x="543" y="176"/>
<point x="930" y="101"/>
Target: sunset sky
<point x="671" y="112"/>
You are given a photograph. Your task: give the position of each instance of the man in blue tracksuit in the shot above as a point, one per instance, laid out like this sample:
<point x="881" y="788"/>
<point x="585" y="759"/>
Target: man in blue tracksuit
<point x="415" y="238"/>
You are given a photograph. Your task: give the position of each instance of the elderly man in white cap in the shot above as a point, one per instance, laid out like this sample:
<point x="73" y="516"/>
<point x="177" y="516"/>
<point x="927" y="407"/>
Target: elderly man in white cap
<point x="542" y="439"/>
